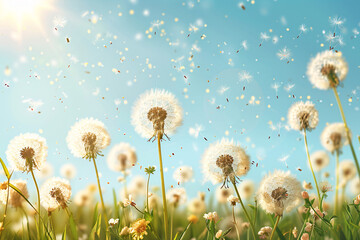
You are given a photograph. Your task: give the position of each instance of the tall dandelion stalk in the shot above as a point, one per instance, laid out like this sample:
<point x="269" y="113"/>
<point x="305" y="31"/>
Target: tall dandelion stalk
<point x="326" y="71"/>
<point x="86" y="139"/>
<point x="156" y="114"/>
<point x="27" y="152"/>
<point x="304" y="117"/>
<point x="337" y="183"/>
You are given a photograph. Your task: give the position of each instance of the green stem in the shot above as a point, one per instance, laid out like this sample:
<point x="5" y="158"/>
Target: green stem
<point x="172" y="222"/>
<point x="6" y="207"/>
<point x="235" y="223"/>
<point x="100" y="192"/>
<point x="304" y="224"/>
<point x="166" y="223"/>
<point x="348" y="134"/>
<point x="311" y="168"/>
<point x="38" y="196"/>
<point x="275" y="226"/>
<point x="246" y="213"/>
<point x="147" y="194"/>
<point x="337" y="183"/>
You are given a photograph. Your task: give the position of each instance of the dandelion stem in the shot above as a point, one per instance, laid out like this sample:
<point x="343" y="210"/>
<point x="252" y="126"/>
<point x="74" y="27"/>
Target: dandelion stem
<point x="147" y="194"/>
<point x="235" y="223"/>
<point x="246" y="213"/>
<point x="311" y="168"/>
<point x="163" y="188"/>
<point x="337" y="183"/>
<point x="275" y="226"/>
<point x="38" y="196"/>
<point x="6" y="207"/>
<point x="172" y="222"/>
<point x="101" y="196"/>
<point x="346" y="129"/>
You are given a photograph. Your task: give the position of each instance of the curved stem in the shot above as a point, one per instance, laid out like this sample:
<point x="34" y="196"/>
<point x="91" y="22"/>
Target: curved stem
<point x="100" y="192"/>
<point x="337" y="184"/>
<point x="348" y="134"/>
<point x="311" y="168"/>
<point x="275" y="226"/>
<point x="166" y="224"/>
<point x="38" y="196"/>
<point x="147" y="194"/>
<point x="246" y="213"/>
<point x="235" y="223"/>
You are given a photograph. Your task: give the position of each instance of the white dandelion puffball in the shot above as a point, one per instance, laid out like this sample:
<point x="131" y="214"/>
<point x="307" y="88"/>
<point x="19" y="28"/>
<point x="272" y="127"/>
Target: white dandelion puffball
<point x="327" y="69"/>
<point x="84" y="198"/>
<point x="121" y="157"/>
<point x="224" y="159"/>
<point x="27" y="152"/>
<point x="68" y="171"/>
<point x="347" y="170"/>
<point x="355" y="186"/>
<point x="176" y="196"/>
<point x="279" y="191"/>
<point x="196" y="206"/>
<point x="334" y="137"/>
<point x="54" y="193"/>
<point x="222" y="194"/>
<point x="319" y="160"/>
<point x="15" y="199"/>
<point x="303" y="116"/>
<point x="183" y="174"/>
<point x="138" y="185"/>
<point x="246" y="189"/>
<point x="46" y="171"/>
<point x="156" y="112"/>
<point x="87" y="136"/>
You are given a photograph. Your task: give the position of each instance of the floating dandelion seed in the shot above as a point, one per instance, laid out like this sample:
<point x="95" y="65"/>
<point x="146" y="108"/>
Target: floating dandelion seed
<point x="225" y="161"/>
<point x="276" y="87"/>
<point x="55" y="192"/>
<point x="156" y="113"/>
<point x="244" y="44"/>
<point x="337" y="21"/>
<point x="245" y="76"/>
<point x="121" y="157"/>
<point x="264" y="37"/>
<point x="223" y="89"/>
<point x="279" y="191"/>
<point x="155" y="24"/>
<point x="195" y="131"/>
<point x="289" y="86"/>
<point x="284" y="54"/>
<point x="59" y="22"/>
<point x="302" y="28"/>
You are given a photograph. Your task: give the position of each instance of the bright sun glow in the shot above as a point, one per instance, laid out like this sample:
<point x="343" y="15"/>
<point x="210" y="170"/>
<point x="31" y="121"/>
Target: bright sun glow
<point x="19" y="12"/>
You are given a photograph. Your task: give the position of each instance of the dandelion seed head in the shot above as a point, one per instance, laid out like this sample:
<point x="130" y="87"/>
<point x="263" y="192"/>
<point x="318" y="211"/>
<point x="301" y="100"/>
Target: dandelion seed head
<point x="15" y="199"/>
<point x="176" y="196"/>
<point x="183" y="174"/>
<point x="355" y="186"/>
<point x="156" y="112"/>
<point x="196" y="206"/>
<point x="121" y="157"/>
<point x="222" y="194"/>
<point x="303" y="116"/>
<point x="27" y="151"/>
<point x="87" y="138"/>
<point x="319" y="160"/>
<point x="246" y="189"/>
<point x="68" y="171"/>
<point x="327" y="69"/>
<point x="279" y="191"/>
<point x="347" y="170"/>
<point x="224" y="160"/>
<point x="334" y="137"/>
<point x="54" y="193"/>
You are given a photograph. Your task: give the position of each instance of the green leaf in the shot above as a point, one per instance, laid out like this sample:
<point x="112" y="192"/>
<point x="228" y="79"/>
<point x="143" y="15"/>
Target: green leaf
<point x="72" y="225"/>
<point x="148" y="216"/>
<point x="6" y="171"/>
<point x="64" y="235"/>
<point x="226" y="232"/>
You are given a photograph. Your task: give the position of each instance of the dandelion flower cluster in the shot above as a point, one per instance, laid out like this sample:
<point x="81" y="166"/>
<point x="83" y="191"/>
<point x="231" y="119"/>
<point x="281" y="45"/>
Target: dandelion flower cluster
<point x="225" y="161"/>
<point x="183" y="174"/>
<point x="121" y="157"/>
<point x="279" y="191"/>
<point x="265" y="232"/>
<point x="212" y="216"/>
<point x="303" y="116"/>
<point x="87" y="138"/>
<point x="333" y="137"/>
<point x="15" y="199"/>
<point x="55" y="192"/>
<point x="156" y="112"/>
<point x="27" y="152"/>
<point x="138" y="229"/>
<point x="319" y="160"/>
<point x="327" y="69"/>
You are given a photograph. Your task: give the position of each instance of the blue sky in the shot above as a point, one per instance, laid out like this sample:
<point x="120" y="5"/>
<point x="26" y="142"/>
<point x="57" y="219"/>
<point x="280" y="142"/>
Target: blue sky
<point x="194" y="49"/>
